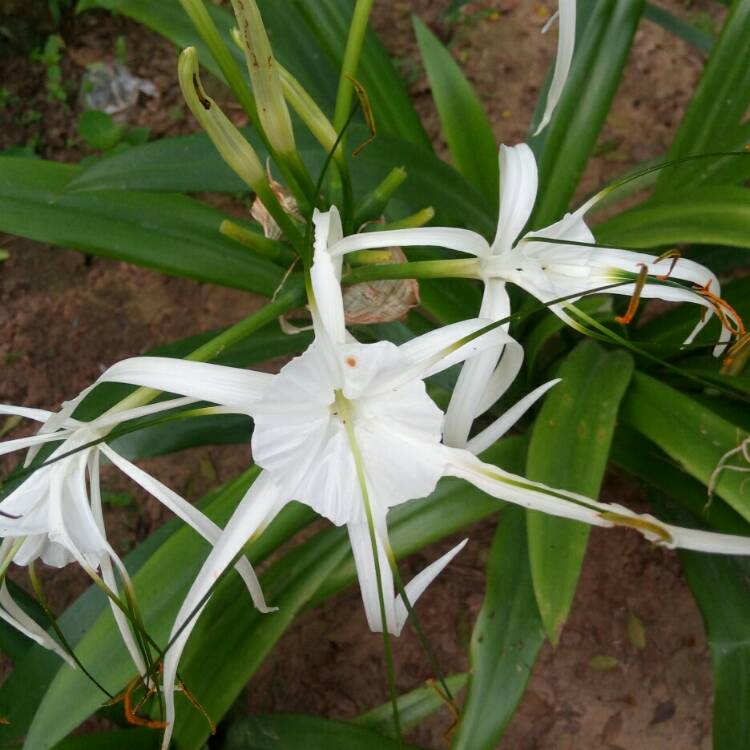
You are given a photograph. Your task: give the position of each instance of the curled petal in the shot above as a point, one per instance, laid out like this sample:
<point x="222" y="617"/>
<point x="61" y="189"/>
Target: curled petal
<point x="190" y="515"/>
<point x="327" y="304"/>
<point x="261" y="503"/>
<point x="537" y="496"/>
<point x="565" y="47"/>
<point x="444" y="347"/>
<point x="396" y="611"/>
<point x="501" y="425"/>
<point x="477" y="371"/>
<point x="17" y="618"/>
<point x="519" y="181"/>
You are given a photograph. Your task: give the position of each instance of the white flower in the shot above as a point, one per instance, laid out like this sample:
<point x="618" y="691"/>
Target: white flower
<point x="548" y="271"/>
<point x="55" y="514"/>
<point x="349" y="429"/>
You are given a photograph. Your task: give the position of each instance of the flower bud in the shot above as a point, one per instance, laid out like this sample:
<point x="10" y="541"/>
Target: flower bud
<point x="230" y="143"/>
<point x="264" y="75"/>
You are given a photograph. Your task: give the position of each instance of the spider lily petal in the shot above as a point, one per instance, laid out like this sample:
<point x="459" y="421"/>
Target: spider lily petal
<point x="18" y="619"/>
<point x="549" y="270"/>
<point x="536" y="496"/>
<point x="565" y="47"/>
<point x="461" y="240"/>
<point x="256" y="510"/>
<point x="502" y="424"/>
<point x="395" y="608"/>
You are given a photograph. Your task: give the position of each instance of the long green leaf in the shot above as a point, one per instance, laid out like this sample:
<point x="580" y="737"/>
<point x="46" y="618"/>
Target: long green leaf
<point x="294" y="732"/>
<point x="570" y="138"/>
<point x="646" y="461"/>
<point x="717" y="215"/>
<point x="700" y="39"/>
<point x="719" y="104"/>
<point x="721" y="589"/>
<point x="689" y="433"/>
<point x="175" y="235"/>
<point x="465" y="125"/>
<point x="191" y="164"/>
<point x="569" y="448"/>
<point x="506" y="639"/>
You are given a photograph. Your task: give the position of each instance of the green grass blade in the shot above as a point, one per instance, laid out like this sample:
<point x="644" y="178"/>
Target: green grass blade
<point x="689" y="432"/>
<point x="173" y="234"/>
<point x="293" y="732"/>
<point x="718" y="215"/>
<point x="720" y="102"/>
<point x="700" y="39"/>
<point x="464" y="122"/>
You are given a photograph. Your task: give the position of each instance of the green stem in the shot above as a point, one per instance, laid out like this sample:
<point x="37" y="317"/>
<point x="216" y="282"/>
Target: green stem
<point x="422" y="269"/>
<point x="350" y="64"/>
<point x="419" y="630"/>
<point x="42" y="599"/>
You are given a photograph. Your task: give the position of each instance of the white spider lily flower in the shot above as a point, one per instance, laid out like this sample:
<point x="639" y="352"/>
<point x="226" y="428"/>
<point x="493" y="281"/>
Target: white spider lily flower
<point x="55" y="514"/>
<point x="349" y="429"/>
<point x="548" y="270"/>
<point x="565" y="46"/>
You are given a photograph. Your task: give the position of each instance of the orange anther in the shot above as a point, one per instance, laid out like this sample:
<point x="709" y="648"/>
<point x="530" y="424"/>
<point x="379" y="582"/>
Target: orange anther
<point x="636" y="298"/>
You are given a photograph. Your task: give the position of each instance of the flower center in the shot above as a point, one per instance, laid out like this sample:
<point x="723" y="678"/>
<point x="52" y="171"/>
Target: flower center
<point x="343" y="409"/>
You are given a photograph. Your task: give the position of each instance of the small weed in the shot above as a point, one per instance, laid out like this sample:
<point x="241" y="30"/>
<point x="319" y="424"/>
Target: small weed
<point x="50" y="56"/>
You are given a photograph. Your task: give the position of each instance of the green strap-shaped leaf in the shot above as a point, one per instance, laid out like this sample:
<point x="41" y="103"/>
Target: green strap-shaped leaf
<point x="646" y="461"/>
<point x="413" y="707"/>
<point x="719" y="104"/>
<point x="688" y="432"/>
<point x="700" y="39"/>
<point x="294" y="732"/>
<point x="602" y="49"/>
<point x="718" y="215"/>
<point x="505" y="641"/>
<point x="175" y="235"/>
<point x="569" y="448"/>
<point x="466" y="128"/>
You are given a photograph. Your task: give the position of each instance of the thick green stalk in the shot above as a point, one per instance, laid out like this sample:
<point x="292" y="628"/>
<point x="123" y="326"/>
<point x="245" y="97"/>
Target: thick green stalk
<point x="351" y="62"/>
<point x="422" y="269"/>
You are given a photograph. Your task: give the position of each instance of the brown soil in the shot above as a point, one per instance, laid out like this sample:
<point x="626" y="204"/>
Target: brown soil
<point x="64" y="318"/>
